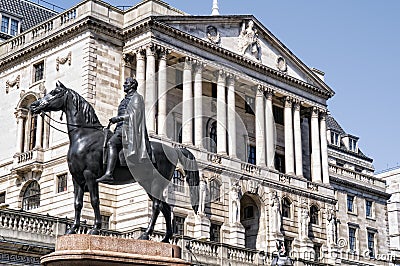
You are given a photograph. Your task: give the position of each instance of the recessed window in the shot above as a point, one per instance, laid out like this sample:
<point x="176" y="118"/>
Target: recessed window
<point x="248" y="212"/>
<point x="105" y="222"/>
<point x="9" y="25"/>
<point x="371" y="244"/>
<point x="38" y="70"/>
<point x="178" y="181"/>
<point x="335" y="138"/>
<point x="2" y="197"/>
<point x="352" y="144"/>
<point x="280" y="162"/>
<point x="32" y="132"/>
<point x="215" y="190"/>
<point x="352" y="239"/>
<point x="31" y="197"/>
<point x="249" y="105"/>
<point x="350" y="203"/>
<point x="62" y="183"/>
<point x="251" y="154"/>
<point x="178" y="225"/>
<point x="368" y="208"/>
<point x="215" y="232"/>
<point x="278" y="114"/>
<point x="286" y="207"/>
<point x="314" y="215"/>
<point x="213" y="137"/>
<point x="317" y="251"/>
<point x="288" y="245"/>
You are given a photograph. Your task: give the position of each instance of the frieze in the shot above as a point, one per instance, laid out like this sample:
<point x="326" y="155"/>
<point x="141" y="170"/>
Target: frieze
<point x="19" y="259"/>
<point x="63" y="60"/>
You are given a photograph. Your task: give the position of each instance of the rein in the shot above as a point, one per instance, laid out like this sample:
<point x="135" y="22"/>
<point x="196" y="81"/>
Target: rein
<point x="68" y="124"/>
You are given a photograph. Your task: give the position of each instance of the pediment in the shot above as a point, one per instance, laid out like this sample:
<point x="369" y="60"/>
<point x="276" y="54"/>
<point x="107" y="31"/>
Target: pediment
<point x="247" y="37"/>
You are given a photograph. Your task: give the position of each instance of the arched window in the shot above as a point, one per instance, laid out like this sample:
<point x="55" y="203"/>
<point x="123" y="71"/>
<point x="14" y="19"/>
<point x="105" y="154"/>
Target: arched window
<point x="213" y="137"/>
<point x="314" y="213"/>
<point x="31" y="197"/>
<point x="286" y="205"/>
<point x="215" y="190"/>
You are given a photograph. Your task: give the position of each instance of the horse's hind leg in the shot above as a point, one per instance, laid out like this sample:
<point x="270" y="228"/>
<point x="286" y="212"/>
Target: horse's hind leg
<point x="78" y="204"/>
<point x="166" y="211"/>
<point x="153" y="219"/>
<point x="93" y="187"/>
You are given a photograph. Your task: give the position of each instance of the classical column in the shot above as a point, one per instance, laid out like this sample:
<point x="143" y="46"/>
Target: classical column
<point x="162" y="94"/>
<point x="127" y="66"/>
<point x="269" y="133"/>
<point x="297" y="139"/>
<point x="20" y="115"/>
<point x="231" y="115"/>
<point x="150" y="99"/>
<point x="289" y="155"/>
<point x="187" y="104"/>
<point x="324" y="148"/>
<point x="198" y="104"/>
<point x="39" y="132"/>
<point x="315" y="147"/>
<point x="221" y="113"/>
<point x="141" y="71"/>
<point x="259" y="126"/>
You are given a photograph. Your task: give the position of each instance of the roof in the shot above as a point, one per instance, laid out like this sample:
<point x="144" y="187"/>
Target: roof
<point x="332" y="124"/>
<point x="31" y="14"/>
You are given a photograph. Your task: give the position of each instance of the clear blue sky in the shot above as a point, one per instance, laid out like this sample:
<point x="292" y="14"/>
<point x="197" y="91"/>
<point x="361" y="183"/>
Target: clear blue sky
<point x="355" y="42"/>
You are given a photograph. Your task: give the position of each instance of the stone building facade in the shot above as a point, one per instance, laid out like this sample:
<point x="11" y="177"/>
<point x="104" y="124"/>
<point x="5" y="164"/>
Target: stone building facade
<point x="224" y="87"/>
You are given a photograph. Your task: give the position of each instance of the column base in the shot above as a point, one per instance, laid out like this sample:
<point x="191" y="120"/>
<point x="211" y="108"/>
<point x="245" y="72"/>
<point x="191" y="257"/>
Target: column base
<point x="202" y="227"/>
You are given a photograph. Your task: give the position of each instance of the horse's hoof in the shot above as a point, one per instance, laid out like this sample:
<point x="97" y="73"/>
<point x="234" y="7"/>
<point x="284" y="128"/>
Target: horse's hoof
<point x="94" y="231"/>
<point x="144" y="236"/>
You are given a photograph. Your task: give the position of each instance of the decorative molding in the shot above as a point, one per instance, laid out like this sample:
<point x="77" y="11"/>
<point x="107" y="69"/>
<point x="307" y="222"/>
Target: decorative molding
<point x="12" y="83"/>
<point x="63" y="60"/>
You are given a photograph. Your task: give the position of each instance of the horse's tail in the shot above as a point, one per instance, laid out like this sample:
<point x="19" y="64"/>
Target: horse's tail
<point x="191" y="168"/>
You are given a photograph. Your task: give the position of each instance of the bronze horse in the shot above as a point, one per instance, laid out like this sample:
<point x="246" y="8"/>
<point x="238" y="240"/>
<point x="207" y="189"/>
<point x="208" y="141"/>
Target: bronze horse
<point x="85" y="160"/>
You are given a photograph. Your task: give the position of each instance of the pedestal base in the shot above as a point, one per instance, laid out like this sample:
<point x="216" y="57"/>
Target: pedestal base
<point x="202" y="227"/>
<point x="84" y="250"/>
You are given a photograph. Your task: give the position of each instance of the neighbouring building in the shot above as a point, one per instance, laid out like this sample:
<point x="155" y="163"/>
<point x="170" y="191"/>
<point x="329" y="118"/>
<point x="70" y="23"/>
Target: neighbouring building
<point x="276" y="168"/>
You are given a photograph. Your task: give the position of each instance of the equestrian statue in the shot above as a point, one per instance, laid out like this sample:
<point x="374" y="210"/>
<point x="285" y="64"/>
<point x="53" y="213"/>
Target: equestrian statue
<point x="126" y="156"/>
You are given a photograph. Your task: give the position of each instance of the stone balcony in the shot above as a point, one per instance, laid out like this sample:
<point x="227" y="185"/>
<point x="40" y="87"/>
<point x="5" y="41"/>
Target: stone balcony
<point x="30" y="161"/>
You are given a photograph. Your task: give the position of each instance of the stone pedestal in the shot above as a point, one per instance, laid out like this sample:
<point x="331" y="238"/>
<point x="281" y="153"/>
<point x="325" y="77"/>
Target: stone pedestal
<point x="202" y="227"/>
<point x="83" y="250"/>
<point x="305" y="248"/>
<point x="235" y="234"/>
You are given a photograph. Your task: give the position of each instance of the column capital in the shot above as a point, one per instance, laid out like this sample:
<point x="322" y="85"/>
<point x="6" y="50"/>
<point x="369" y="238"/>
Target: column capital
<point x="297" y="104"/>
<point x="322" y="114"/>
<point x="21" y="113"/>
<point x="188" y="63"/>
<point x="314" y="112"/>
<point x="220" y="75"/>
<point x="128" y="59"/>
<point x="198" y="66"/>
<point x="260" y="90"/>
<point x="140" y="53"/>
<point x="163" y="52"/>
<point x="231" y="79"/>
<point x="151" y="50"/>
<point x="288" y="101"/>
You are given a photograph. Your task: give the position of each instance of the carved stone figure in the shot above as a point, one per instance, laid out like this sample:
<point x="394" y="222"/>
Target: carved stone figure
<point x="304" y="222"/>
<point x="85" y="157"/>
<point x="213" y="35"/>
<point x="248" y="41"/>
<point x="281" y="64"/>
<point x="276" y="214"/>
<point x="235" y="194"/>
<point x="202" y="196"/>
<point x="331" y="229"/>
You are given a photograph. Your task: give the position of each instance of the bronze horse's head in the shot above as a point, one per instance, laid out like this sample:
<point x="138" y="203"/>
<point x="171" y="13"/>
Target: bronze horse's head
<point x="52" y="101"/>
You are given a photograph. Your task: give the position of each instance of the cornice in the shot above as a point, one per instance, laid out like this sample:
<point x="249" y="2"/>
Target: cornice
<point x="358" y="186"/>
<point x="91" y="24"/>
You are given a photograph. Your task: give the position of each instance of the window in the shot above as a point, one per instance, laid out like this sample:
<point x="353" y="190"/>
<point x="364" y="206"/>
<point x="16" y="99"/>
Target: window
<point x="2" y="197"/>
<point x="105" y="222"/>
<point x="288" y="245"/>
<point x="251" y="154"/>
<point x="278" y="114"/>
<point x="314" y="213"/>
<point x="335" y="138"/>
<point x="9" y="25"/>
<point x="280" y="162"/>
<point x="371" y="244"/>
<point x="350" y="203"/>
<point x="31" y="197"/>
<point x="178" y="132"/>
<point x="368" y="208"/>
<point x="249" y="105"/>
<point x="179" y="79"/>
<point x="32" y="132"/>
<point x="352" y="239"/>
<point x="213" y="137"/>
<point x="215" y="232"/>
<point x="178" y="225"/>
<point x="38" y="71"/>
<point x="317" y="251"/>
<point x="215" y="190"/>
<point x="352" y="144"/>
<point x="178" y="181"/>
<point x="62" y="183"/>
<point x="286" y="207"/>
<point x="248" y="212"/>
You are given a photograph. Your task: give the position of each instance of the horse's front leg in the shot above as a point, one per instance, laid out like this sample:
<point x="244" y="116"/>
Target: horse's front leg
<point x="78" y="204"/>
<point x="153" y="219"/>
<point x="93" y="187"/>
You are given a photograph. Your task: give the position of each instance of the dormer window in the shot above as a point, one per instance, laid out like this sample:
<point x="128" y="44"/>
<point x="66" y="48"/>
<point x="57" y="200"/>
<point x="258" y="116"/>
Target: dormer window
<point x="352" y="144"/>
<point x="9" y="25"/>
<point x="335" y="138"/>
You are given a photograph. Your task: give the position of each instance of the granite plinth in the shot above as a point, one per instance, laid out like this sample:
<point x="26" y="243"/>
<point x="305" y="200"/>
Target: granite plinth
<point x="87" y="250"/>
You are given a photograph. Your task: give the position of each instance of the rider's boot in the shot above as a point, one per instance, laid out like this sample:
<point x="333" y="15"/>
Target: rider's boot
<point x="111" y="162"/>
